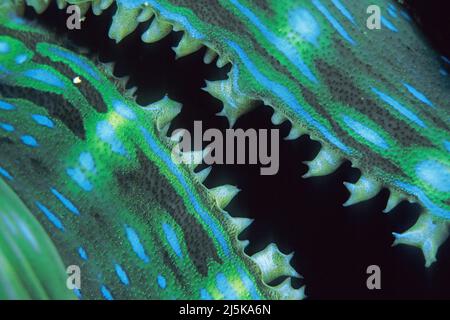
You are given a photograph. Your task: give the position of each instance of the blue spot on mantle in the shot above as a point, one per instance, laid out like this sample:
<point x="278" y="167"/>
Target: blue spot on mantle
<point x="304" y="23"/>
<point x="162" y="281"/>
<point x="171" y="237"/>
<point x="45" y="76"/>
<point x="43" y="120"/>
<point x="106" y="293"/>
<point x="87" y="161"/>
<point x="80" y="178"/>
<point x="4" y="47"/>
<point x="7" y="127"/>
<point x="435" y="174"/>
<point x="399" y="107"/>
<point x="66" y="202"/>
<point x="82" y="253"/>
<point x="29" y="141"/>
<point x="106" y="133"/>
<point x="6" y="174"/>
<point x="366" y="132"/>
<point x="123" y="110"/>
<point x="225" y="288"/>
<point x="6" y="106"/>
<point x="136" y="244"/>
<point x="50" y="216"/>
<point x="419" y="95"/>
<point x="121" y="274"/>
<point x="336" y="25"/>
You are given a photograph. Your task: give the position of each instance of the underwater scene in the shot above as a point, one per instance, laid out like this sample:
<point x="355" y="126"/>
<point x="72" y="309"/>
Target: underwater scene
<point x="224" y="150"/>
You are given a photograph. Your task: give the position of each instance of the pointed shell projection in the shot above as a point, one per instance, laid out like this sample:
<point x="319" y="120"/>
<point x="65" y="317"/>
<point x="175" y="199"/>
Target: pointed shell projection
<point x="38" y="5"/>
<point x="274" y="264"/>
<point x="164" y="111"/>
<point x="124" y="22"/>
<point x="287" y="292"/>
<point x="234" y="103"/>
<point x="187" y="46"/>
<point x="427" y="234"/>
<point x="158" y="29"/>
<point x="326" y="162"/>
<point x="224" y="194"/>
<point x="394" y="199"/>
<point x="364" y="189"/>
<point x="203" y="174"/>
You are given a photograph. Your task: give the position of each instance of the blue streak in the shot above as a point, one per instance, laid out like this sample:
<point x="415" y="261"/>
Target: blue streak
<point x="162" y="282"/>
<point x="282" y="45"/>
<point x="82" y="253"/>
<point x="343" y="10"/>
<point x="77" y="293"/>
<point x="87" y="161"/>
<point x="66" y="55"/>
<point x="171" y="237"/>
<point x="7" y="127"/>
<point x="123" y="110"/>
<point x="435" y="174"/>
<point x="287" y="97"/>
<point x="43" y="120"/>
<point x="191" y="195"/>
<point x="45" y="76"/>
<point x="66" y="202"/>
<point x="336" y="25"/>
<point x="248" y="283"/>
<point x="419" y="95"/>
<point x="392" y="10"/>
<point x="106" y="293"/>
<point x="123" y="277"/>
<point x="6" y="174"/>
<point x="399" y="107"/>
<point x="80" y="178"/>
<point x="405" y="15"/>
<point x="6" y="106"/>
<point x="50" y="216"/>
<point x="304" y="23"/>
<point x="136" y="244"/>
<point x="168" y="14"/>
<point x="225" y="288"/>
<point x="447" y="145"/>
<point x="29" y="141"/>
<point x="366" y="132"/>
<point x="204" y="295"/>
<point x="21" y="58"/>
<point x="388" y="24"/>
<point x="106" y="133"/>
<point x="4" y="47"/>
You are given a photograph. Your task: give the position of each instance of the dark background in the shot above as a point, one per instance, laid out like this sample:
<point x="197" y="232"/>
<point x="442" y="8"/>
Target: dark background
<point x="333" y="245"/>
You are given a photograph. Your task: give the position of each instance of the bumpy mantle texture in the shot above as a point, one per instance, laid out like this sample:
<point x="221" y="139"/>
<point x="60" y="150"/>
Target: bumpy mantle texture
<point x="86" y="176"/>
